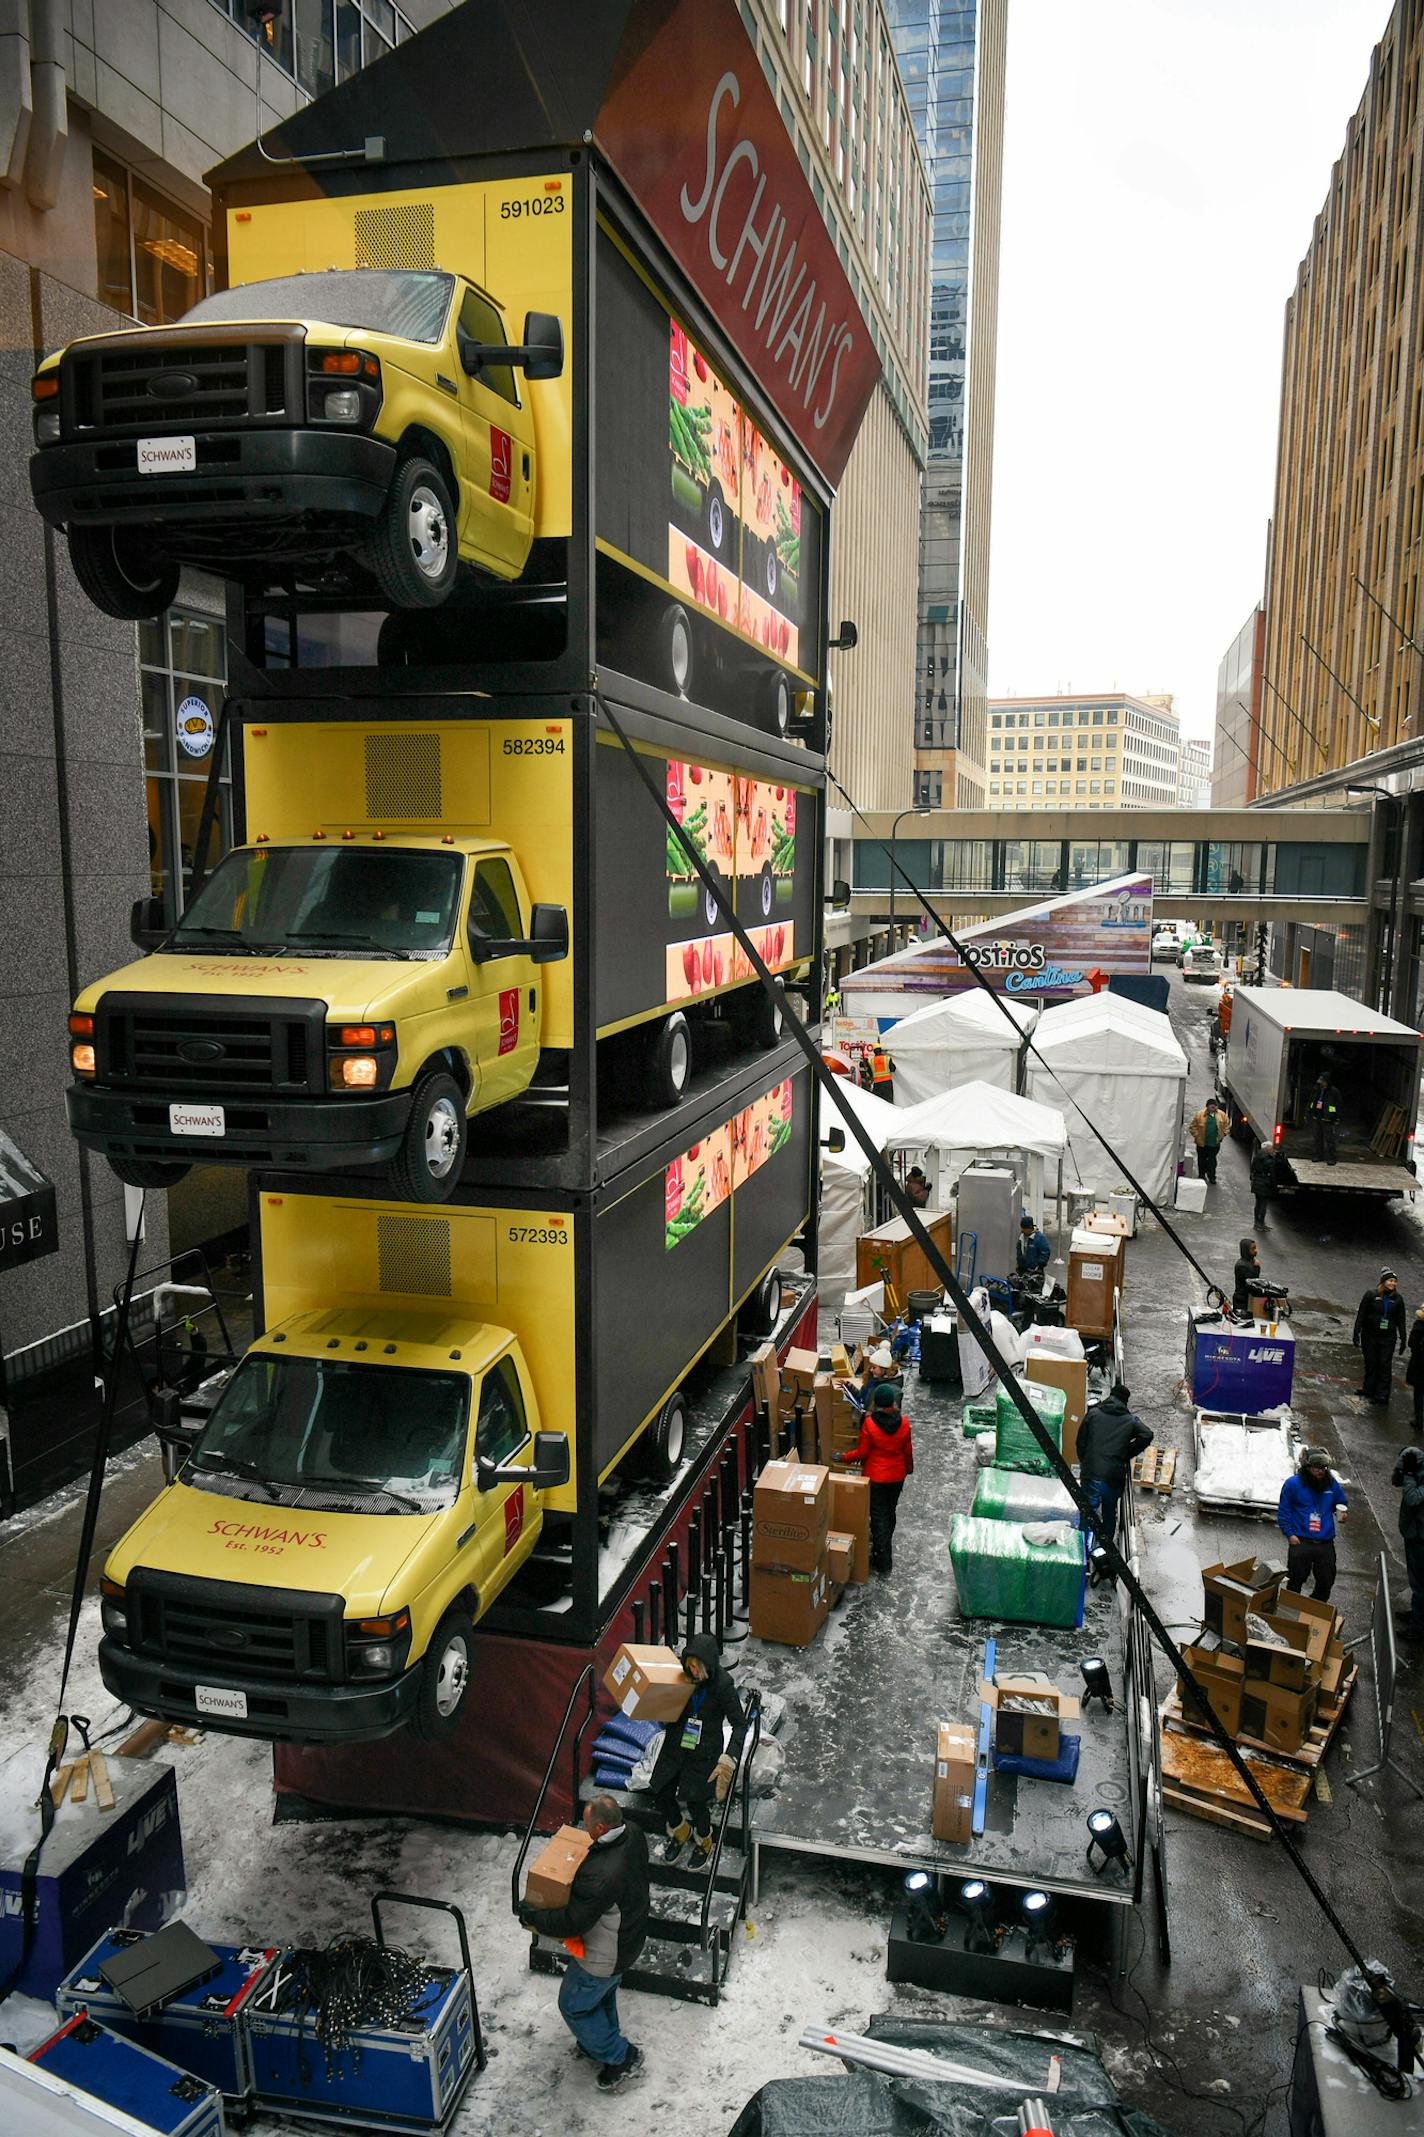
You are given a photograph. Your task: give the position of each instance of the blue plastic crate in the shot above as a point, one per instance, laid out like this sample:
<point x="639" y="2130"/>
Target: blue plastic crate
<point x="157" y="2094"/>
<point x="202" y="2030"/>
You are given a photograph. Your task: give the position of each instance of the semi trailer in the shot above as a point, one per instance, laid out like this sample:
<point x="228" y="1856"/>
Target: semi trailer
<point x="1281" y="1040"/>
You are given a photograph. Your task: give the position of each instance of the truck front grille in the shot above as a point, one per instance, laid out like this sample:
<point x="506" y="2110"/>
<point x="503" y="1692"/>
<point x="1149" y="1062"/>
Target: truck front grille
<point x="163" y="1043"/>
<point x="226" y="1630"/>
<point x="232" y="382"/>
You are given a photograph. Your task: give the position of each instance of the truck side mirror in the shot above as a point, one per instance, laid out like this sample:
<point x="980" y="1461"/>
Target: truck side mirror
<point x="539" y="355"/>
<point x="549" y="934"/>
<point x="835" y="1141"/>
<point x="148" y="926"/>
<point x="548" y="1470"/>
<point x="840" y="895"/>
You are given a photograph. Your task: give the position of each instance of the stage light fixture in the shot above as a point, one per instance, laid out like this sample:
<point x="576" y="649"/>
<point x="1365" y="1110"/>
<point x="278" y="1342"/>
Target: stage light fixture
<point x="981" y="1933"/>
<point x="1105" y="1834"/>
<point x="1098" y="1568"/>
<point x="1097" y="1682"/>
<point x="924" y="1915"/>
<point x="1038" y="1911"/>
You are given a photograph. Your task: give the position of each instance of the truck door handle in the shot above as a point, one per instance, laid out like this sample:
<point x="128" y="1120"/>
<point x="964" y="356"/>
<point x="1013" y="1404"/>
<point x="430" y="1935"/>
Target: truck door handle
<point x="461" y="1541"/>
<point x="446" y="385"/>
<point x="526" y="466"/>
<point x="456" y="994"/>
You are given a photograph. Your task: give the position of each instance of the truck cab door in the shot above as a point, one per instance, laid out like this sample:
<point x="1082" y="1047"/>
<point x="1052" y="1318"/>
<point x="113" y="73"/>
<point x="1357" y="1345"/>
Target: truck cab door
<point x="497" y="497"/>
<point x="504" y="993"/>
<point x="507" y="1517"/>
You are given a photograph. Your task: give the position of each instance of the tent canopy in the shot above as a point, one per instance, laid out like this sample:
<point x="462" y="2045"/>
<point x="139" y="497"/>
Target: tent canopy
<point x="979" y="1117"/>
<point x="1120" y="1066"/>
<point x="963" y="1038"/>
<point x="1107" y="1031"/>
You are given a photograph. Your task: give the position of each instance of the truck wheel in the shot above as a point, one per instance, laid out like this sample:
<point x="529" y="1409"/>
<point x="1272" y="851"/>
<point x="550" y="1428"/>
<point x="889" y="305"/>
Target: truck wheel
<point x="669" y="1069"/>
<point x="763" y="1020"/>
<point x="766" y="891"/>
<point x="716" y="519"/>
<point x="710" y="909"/>
<point x="444" y="1680"/>
<point x="431" y="1157"/>
<point x="148" y="1172"/>
<point x="761" y="1311"/>
<point x="776" y="702"/>
<point x="674" y="660"/>
<point x="773" y="563"/>
<point x="413" y="550"/>
<point x="667" y="1438"/>
<point x="113" y="571"/>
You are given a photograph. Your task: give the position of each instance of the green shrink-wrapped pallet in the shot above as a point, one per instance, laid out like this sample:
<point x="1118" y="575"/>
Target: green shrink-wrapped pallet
<point x="1013" y="1495"/>
<point x="1014" y="1445"/>
<point x="1001" y="1575"/>
<point x="977" y="1417"/>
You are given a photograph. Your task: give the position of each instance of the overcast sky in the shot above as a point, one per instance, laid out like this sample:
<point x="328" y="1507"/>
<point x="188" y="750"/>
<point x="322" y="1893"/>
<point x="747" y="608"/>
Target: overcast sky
<point x="1163" y="164"/>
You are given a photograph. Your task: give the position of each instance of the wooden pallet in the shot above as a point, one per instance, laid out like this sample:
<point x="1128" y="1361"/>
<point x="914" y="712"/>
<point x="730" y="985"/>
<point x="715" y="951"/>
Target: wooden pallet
<point x="1156" y="1469"/>
<point x="1328" y="1716"/>
<point x="1197" y="1777"/>
<point x="1388" y="1138"/>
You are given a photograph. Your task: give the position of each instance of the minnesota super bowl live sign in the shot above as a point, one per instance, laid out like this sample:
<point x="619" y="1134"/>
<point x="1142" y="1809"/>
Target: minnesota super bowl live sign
<point x="29" y="1227"/>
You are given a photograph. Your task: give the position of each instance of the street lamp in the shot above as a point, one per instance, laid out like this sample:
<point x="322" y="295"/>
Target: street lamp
<point x="921" y="808"/>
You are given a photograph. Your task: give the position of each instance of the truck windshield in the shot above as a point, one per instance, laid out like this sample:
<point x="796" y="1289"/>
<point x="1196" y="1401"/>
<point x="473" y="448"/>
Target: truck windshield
<point x="339" y="1431"/>
<point x="353" y="901"/>
<point x="411" y="303"/>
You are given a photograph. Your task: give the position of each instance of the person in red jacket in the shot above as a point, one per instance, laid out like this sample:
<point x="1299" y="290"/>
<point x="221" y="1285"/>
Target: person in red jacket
<point x="887" y="1458"/>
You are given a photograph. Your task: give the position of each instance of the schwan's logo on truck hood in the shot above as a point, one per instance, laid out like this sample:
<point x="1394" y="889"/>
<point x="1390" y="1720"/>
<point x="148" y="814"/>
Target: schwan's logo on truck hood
<point x="209" y="1536"/>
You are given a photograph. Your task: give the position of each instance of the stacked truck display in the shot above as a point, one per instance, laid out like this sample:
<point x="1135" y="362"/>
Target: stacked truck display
<point x="523" y="497"/>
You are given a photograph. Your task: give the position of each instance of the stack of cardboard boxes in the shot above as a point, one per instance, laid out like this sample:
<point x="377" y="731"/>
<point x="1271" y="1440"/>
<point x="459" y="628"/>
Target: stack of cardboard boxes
<point x="807" y="1399"/>
<point x="791" y="1523"/>
<point x="1265" y="1658"/>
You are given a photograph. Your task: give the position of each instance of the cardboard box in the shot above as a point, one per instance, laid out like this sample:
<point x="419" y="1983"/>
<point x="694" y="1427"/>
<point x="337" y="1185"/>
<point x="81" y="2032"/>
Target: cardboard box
<point x="1276" y="1716"/>
<point x="1220" y="1677"/>
<point x="800" y="1369"/>
<point x="1271" y="1662"/>
<point x="955" y="1759"/>
<point x="1231" y="1591"/>
<point x="1332" y="1670"/>
<point x="1071" y="1375"/>
<point x="850" y="1515"/>
<point x="791" y="1515"/>
<point x="840" y="1362"/>
<point x="1320" y="1622"/>
<point x="838" y="1420"/>
<point x="766" y="1377"/>
<point x="788" y="1607"/>
<point x="551" y="1874"/>
<point x="840" y="1557"/>
<point x="1028" y="1712"/>
<point x="648" y="1683"/>
<point x="1107" y="1226"/>
<point x="1093" y="1284"/>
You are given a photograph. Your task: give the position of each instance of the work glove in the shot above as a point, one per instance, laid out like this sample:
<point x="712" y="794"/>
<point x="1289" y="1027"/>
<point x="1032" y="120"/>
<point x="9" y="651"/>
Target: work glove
<point x="722" y="1774"/>
<point x="523" y="1911"/>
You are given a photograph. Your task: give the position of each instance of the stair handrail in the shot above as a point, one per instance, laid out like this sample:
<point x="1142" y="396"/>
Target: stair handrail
<point x="585" y="1681"/>
<point x="743" y="1775"/>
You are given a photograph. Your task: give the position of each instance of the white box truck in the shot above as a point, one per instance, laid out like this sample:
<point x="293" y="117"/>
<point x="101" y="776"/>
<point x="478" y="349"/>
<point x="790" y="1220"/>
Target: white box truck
<point x="1280" y="1041"/>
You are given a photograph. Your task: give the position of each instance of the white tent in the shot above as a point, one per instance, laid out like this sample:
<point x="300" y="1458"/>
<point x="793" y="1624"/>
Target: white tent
<point x="1119" y="1065"/>
<point x="976" y="1121"/>
<point x="964" y="1038"/>
<point x="846" y="1186"/>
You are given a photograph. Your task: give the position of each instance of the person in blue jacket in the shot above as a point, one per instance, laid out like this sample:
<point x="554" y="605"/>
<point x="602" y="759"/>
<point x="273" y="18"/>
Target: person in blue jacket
<point x="1034" y="1251"/>
<point x="1311" y="1503"/>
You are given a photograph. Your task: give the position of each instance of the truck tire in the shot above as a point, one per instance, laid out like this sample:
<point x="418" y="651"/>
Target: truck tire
<point x="771" y="570"/>
<point x="148" y="1172"/>
<point x="762" y="1016"/>
<point x="760" y="1312"/>
<point x="673" y="651"/>
<point x="711" y="911"/>
<point x="669" y="1062"/>
<point x="431" y="1157"/>
<point x="776" y="702"/>
<point x="766" y="892"/>
<point x="444" y="1680"/>
<point x="413" y="549"/>
<point x="667" y="1438"/>
<point x="117" y="577"/>
<point x="716" y="520"/>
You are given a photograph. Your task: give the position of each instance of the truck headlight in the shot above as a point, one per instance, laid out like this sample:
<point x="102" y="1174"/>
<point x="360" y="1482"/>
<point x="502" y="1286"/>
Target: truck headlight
<point x="81" y="1052"/>
<point x="377" y="1647"/>
<point x="343" y="407"/>
<point x="360" y="1057"/>
<point x="113" y="1609"/>
<point x="47" y="426"/>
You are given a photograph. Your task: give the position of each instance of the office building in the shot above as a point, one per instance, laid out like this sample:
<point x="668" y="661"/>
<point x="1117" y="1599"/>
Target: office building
<point x="1235" y="778"/>
<point x="1194" y="774"/>
<point x="953" y="59"/>
<point x="1097" y="752"/>
<point x="832" y="67"/>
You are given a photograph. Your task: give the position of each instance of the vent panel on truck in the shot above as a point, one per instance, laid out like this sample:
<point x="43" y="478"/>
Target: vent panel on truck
<point x="396" y="237"/>
<point x="403" y="777"/>
<point x="413" y="1254"/>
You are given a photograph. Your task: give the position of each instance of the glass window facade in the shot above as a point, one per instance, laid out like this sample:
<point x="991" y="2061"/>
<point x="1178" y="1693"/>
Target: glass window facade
<point x="320" y="42"/>
<point x="182" y="668"/>
<point x="153" y="258"/>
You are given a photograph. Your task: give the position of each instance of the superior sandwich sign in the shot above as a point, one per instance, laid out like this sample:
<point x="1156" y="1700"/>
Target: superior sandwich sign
<point x="692" y="129"/>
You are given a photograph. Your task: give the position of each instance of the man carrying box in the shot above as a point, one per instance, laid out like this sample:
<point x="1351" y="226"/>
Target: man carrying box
<point x="692" y="1767"/>
<point x="604" y="1925"/>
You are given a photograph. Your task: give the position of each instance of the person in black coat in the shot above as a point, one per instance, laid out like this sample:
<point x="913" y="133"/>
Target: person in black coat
<point x="1270" y="1172"/>
<point x="1379" y="1327"/>
<point x="1408" y="1480"/>
<point x="1110" y="1438"/>
<point x="1323" y="1108"/>
<point x="692" y="1768"/>
<point x="604" y="1924"/>
<point x="1414" y="1371"/>
<point x="1247" y="1273"/>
